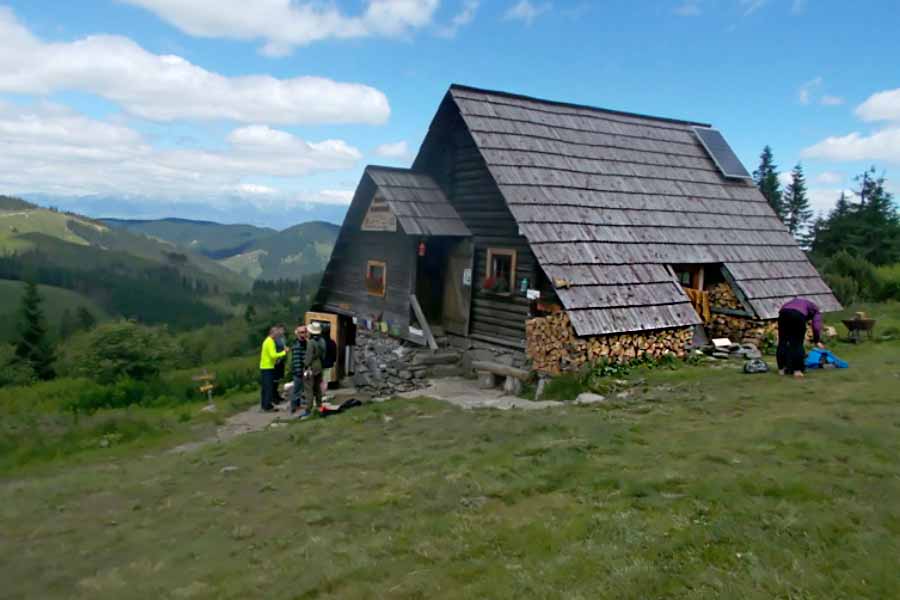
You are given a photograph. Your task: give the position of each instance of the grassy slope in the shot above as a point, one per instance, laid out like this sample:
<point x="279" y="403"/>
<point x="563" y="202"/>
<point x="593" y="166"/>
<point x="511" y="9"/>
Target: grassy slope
<point x="289" y="254"/>
<point x="56" y="300"/>
<point x="208" y="238"/>
<point x="15" y="223"/>
<point x="19" y="228"/>
<point x="704" y="483"/>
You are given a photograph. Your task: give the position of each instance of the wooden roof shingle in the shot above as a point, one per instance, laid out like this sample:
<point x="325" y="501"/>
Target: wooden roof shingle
<point x="607" y="199"/>
<point x="421" y="207"/>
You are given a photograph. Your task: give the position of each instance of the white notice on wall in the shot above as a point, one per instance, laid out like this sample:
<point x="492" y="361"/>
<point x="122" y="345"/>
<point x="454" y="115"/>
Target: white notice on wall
<point x="533" y="294"/>
<point x="379" y="217"/>
<point x="467" y="277"/>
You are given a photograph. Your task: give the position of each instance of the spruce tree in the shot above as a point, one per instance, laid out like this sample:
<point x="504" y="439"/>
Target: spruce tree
<point x="33" y="347"/>
<point x="766" y="179"/>
<point x="869" y="228"/>
<point x="797" y="212"/>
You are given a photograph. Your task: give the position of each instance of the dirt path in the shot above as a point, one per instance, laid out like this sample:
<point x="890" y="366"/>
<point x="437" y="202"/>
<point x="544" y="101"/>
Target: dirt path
<point x="250" y="420"/>
<point x="458" y="391"/>
<point x="466" y="394"/>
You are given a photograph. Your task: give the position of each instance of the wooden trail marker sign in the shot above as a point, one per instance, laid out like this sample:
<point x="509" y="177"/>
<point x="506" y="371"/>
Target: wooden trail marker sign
<point x="207" y="384"/>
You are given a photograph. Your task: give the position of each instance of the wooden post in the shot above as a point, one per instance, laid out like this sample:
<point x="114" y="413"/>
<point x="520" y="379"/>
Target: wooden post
<point x="423" y="322"/>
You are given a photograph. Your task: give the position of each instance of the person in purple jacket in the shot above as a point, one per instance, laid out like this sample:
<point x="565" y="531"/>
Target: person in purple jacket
<point x="792" y="320"/>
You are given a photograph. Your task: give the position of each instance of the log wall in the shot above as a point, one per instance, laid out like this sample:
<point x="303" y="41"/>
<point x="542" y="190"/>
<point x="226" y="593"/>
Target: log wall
<point x="553" y="347"/>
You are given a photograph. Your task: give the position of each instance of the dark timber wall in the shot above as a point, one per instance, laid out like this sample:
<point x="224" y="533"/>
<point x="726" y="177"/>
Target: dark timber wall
<point x="457" y="165"/>
<point x="343" y="284"/>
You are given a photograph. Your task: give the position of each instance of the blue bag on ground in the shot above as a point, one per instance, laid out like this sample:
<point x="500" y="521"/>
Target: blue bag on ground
<point x="817" y="359"/>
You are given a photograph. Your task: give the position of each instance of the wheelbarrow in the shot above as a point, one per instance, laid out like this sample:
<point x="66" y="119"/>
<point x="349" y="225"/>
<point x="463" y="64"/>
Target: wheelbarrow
<point x="856" y="327"/>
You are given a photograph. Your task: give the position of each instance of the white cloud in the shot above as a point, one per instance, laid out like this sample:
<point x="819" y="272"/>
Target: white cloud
<point x="49" y="149"/>
<point x="167" y="87"/>
<point x="829" y="178"/>
<point x="285" y="24"/>
<point x="525" y="11"/>
<point x="751" y="6"/>
<point x="807" y="89"/>
<point x="784" y="178"/>
<point x="883" y="106"/>
<point x="254" y="189"/>
<point x="393" y="150"/>
<point x="822" y="200"/>
<point x="336" y="196"/>
<point x="828" y="100"/>
<point x="881" y="145"/>
<point x="688" y="8"/>
<point x="461" y="19"/>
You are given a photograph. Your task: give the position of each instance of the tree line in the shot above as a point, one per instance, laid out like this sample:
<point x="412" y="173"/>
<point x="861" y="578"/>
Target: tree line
<point x="855" y="243"/>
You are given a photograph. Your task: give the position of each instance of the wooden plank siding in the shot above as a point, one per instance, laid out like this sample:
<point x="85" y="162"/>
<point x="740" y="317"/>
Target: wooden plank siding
<point x="477" y="199"/>
<point x="345" y="285"/>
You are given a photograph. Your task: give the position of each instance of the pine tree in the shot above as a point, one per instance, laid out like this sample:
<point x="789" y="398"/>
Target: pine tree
<point x="33" y="347"/>
<point x="766" y="179"/>
<point x="797" y="212"/>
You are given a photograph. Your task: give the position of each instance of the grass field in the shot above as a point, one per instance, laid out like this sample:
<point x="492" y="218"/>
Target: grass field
<point x="56" y="300"/>
<point x="696" y="483"/>
<point x="18" y="222"/>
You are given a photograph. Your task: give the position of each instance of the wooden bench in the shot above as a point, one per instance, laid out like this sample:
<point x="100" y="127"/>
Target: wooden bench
<point x="489" y="371"/>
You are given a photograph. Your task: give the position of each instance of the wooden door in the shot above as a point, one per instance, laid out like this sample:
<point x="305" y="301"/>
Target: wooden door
<point x="458" y="287"/>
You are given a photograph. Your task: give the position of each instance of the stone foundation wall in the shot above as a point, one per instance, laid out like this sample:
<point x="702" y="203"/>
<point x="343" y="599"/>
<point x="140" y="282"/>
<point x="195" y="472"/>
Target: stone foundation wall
<point x="553" y="346"/>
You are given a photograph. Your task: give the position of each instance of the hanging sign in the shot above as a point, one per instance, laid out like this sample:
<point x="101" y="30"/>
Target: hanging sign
<point x="467" y="277"/>
<point x="379" y="217"/>
<point x="533" y="294"/>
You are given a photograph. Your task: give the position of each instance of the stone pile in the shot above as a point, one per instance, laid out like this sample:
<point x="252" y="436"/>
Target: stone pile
<point x="384" y="365"/>
<point x="734" y="351"/>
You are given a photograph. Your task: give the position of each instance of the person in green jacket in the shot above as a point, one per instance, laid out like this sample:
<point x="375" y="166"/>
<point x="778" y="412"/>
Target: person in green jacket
<point x="268" y="356"/>
<point x="312" y="363"/>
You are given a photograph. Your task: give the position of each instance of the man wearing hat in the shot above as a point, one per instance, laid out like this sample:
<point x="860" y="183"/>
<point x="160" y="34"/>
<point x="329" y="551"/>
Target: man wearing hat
<point x="312" y="363"/>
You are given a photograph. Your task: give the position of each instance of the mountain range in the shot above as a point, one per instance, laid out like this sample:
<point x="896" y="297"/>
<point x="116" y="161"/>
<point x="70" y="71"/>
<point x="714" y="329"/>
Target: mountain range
<point x="251" y="251"/>
<point x="179" y="272"/>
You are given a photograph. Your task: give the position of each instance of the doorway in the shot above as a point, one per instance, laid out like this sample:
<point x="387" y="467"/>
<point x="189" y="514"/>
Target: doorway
<point x="444" y="282"/>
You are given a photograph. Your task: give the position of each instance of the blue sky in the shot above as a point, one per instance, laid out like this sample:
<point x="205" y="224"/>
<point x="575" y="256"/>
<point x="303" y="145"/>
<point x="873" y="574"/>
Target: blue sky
<point x="266" y="111"/>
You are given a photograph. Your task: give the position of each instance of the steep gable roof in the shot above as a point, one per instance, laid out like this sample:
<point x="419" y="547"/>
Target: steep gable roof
<point x="418" y="203"/>
<point x="608" y="199"/>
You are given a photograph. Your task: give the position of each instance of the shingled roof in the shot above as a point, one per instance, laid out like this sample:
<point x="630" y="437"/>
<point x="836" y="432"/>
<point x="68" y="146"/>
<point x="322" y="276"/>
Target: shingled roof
<point x="418" y="203"/>
<point x="608" y="199"/>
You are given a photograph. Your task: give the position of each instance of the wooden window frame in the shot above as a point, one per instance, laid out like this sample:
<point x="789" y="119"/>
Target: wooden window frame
<point x="383" y="266"/>
<point x="488" y="271"/>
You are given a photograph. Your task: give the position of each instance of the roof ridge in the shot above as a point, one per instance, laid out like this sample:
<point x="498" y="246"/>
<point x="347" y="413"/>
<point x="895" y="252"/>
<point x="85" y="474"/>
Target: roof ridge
<point x="396" y="169"/>
<point x="467" y="88"/>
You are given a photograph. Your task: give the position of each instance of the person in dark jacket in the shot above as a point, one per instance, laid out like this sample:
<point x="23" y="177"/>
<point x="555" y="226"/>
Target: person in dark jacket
<point x="792" y="320"/>
<point x="298" y="354"/>
<point x="312" y="363"/>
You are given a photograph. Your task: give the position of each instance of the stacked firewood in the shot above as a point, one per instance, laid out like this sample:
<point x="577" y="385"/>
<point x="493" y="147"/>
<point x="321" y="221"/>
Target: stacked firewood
<point x="741" y="329"/>
<point x="553" y="346"/>
<point x="722" y="296"/>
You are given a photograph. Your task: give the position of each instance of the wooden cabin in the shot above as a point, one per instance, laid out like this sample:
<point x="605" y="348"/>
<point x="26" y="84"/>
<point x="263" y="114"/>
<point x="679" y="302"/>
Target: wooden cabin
<point x="517" y="207"/>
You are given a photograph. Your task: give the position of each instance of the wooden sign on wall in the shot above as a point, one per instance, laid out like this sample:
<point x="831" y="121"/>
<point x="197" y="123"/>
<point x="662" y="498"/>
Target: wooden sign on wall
<point x="379" y="217"/>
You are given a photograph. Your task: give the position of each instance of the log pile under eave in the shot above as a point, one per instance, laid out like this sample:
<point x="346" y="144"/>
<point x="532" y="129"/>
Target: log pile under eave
<point x="722" y="296"/>
<point x="553" y="346"/>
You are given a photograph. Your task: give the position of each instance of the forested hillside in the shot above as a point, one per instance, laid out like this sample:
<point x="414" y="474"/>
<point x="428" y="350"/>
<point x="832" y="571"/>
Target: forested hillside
<point x="122" y="274"/>
<point x="215" y="240"/>
<point x="252" y="252"/>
